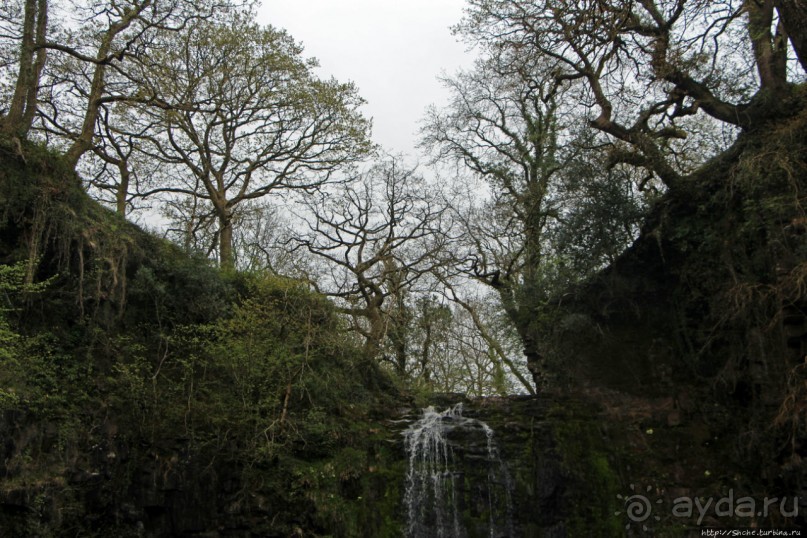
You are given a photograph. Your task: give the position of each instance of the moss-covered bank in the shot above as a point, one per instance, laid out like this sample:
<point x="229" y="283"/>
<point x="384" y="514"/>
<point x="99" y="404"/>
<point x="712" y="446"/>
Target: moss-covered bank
<point x="694" y="340"/>
<point x="145" y="393"/>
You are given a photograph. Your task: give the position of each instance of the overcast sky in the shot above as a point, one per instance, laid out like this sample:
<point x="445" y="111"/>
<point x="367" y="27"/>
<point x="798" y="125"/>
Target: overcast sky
<point x="392" y="49"/>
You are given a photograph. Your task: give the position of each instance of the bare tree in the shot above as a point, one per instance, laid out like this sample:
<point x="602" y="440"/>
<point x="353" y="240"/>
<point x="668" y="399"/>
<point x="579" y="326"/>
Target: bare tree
<point x="498" y="349"/>
<point x="260" y="233"/>
<point x="483" y="353"/>
<point x="647" y="67"/>
<point x="511" y="126"/>
<point x="428" y="336"/>
<point x="191" y="223"/>
<point x="376" y="238"/>
<point x="117" y="172"/>
<point x="261" y="238"/>
<point x="507" y="129"/>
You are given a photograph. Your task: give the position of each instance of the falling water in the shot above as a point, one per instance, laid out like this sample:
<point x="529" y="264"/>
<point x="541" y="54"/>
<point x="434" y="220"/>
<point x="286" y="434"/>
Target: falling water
<point x="446" y="480"/>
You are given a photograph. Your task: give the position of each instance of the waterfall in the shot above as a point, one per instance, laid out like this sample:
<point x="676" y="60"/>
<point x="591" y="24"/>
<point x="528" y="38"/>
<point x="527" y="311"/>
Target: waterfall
<point x="456" y="478"/>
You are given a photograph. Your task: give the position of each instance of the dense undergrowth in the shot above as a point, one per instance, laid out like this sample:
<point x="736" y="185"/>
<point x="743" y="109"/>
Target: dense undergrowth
<point x="143" y="390"/>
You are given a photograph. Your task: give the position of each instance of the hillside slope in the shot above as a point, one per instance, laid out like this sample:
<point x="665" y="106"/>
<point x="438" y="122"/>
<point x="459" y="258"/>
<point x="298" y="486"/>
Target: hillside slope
<point x="144" y="392"/>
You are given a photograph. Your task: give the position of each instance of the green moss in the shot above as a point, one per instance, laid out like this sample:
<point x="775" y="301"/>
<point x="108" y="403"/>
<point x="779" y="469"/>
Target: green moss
<point x="214" y="395"/>
<point x="354" y="492"/>
<point x="381" y="515"/>
<point x="594" y="485"/>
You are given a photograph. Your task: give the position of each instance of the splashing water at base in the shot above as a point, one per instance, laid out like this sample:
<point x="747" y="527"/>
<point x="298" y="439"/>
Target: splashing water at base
<point x="455" y="473"/>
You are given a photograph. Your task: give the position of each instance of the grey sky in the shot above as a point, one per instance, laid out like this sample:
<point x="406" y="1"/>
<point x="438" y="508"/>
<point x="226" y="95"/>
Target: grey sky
<point x="392" y="49"/>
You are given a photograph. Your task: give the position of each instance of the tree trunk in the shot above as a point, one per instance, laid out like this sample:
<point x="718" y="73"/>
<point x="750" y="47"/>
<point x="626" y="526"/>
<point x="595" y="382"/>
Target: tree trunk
<point x="39" y="64"/>
<point x="226" y="256"/>
<point x="793" y="14"/>
<point x="378" y="327"/>
<point x="425" y="371"/>
<point x="768" y="51"/>
<point x="23" y="103"/>
<point x="522" y="323"/>
<point x="400" y="358"/>
<point x="123" y="188"/>
<point x="83" y="141"/>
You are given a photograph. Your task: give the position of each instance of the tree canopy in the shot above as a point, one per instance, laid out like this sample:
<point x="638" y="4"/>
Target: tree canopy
<point x="650" y="73"/>
<point x="242" y="114"/>
<point x="577" y="117"/>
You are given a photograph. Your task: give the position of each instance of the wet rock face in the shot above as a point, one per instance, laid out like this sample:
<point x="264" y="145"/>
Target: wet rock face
<point x="539" y="481"/>
<point x="113" y="487"/>
<point x="500" y="466"/>
<point x="496" y="465"/>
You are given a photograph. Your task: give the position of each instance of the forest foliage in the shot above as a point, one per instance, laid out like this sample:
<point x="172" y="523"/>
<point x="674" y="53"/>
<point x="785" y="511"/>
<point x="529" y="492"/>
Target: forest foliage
<point x="578" y="120"/>
<point x="117" y="344"/>
<point x="613" y="194"/>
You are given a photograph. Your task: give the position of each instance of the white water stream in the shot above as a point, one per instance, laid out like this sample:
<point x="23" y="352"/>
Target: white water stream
<point x="444" y="483"/>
